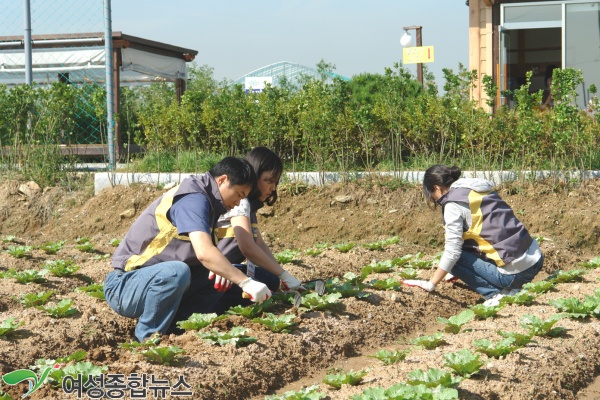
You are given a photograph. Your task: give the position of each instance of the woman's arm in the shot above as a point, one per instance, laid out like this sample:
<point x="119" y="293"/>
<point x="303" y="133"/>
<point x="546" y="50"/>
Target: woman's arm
<point x="255" y="251"/>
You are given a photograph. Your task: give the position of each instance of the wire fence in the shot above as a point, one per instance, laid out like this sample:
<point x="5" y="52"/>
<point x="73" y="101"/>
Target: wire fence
<point x="67" y="102"/>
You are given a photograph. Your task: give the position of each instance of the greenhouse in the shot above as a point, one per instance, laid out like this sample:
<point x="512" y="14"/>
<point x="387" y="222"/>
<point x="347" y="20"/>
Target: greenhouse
<point x="274" y="73"/>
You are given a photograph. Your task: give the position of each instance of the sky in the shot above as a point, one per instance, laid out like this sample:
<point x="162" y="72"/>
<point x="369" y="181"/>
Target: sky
<point x="235" y="37"/>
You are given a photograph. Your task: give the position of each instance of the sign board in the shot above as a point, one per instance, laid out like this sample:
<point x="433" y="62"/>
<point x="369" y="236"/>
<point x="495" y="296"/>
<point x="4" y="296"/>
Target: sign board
<point x="257" y="83"/>
<point x="417" y="55"/>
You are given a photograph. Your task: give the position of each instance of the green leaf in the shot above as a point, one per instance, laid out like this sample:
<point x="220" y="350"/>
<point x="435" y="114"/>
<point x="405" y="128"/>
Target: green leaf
<point x="573" y="275"/>
<point x="464" y="362"/>
<point x="35" y="299"/>
<point x="163" y="355"/>
<point x="592" y="264"/>
<point x="61" y="268"/>
<point x="236" y="337"/>
<point x="391" y="357"/>
<point x="538" y="287"/>
<point x="521" y="339"/>
<point x="500" y="349"/>
<point x="539" y="327"/>
<point x="93" y="289"/>
<point x="307" y="393"/>
<point x="8" y="326"/>
<point x="429" y="341"/>
<point x="252" y="310"/>
<point x="198" y="321"/>
<point x="523" y="298"/>
<point x="313" y="301"/>
<point x="350" y="378"/>
<point x="277" y="323"/>
<point x="455" y="322"/>
<point x="432" y="378"/>
<point x="61" y="310"/>
<point x="485" y="312"/>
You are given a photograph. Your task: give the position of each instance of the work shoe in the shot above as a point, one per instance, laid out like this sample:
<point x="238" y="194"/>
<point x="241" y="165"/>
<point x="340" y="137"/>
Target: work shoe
<point x="509" y="292"/>
<point x="494" y="300"/>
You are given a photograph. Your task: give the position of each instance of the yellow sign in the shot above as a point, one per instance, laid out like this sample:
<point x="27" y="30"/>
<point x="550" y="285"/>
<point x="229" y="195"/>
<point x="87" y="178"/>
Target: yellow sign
<point x="416" y="55"/>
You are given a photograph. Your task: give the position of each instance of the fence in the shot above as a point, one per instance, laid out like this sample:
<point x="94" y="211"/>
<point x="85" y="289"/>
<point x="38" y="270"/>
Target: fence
<point x="67" y="47"/>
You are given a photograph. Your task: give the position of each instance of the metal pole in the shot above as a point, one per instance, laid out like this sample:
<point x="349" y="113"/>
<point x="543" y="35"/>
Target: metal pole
<point x="108" y="57"/>
<point x="27" y="44"/>
<point x="419" y="65"/>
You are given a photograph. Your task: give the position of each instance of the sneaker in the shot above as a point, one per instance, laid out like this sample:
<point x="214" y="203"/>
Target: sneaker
<point x="494" y="300"/>
<point x="509" y="292"/>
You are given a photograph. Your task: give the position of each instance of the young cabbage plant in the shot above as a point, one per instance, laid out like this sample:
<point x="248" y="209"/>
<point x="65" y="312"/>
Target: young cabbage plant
<point x="61" y="268"/>
<point x="277" y="323"/>
<point x="236" y="337"/>
<point x="538" y="287"/>
<point x="429" y="342"/>
<point x="199" y="321"/>
<point x="340" y="378"/>
<point x="574" y="275"/>
<point x="575" y="308"/>
<point x="343" y="247"/>
<point x="93" y="289"/>
<point x="287" y="256"/>
<point x="346" y="289"/>
<point x="408" y="273"/>
<point x="455" y="322"/>
<point x="540" y="327"/>
<point x="432" y="378"/>
<point x="521" y="339"/>
<point x="251" y="311"/>
<point x="8" y="326"/>
<point x="386" y="284"/>
<point x="52" y="247"/>
<point x="389" y="357"/>
<point x="60" y="310"/>
<point x="591" y="264"/>
<point x="314" y="302"/>
<point x="464" y="362"/>
<point x="497" y="350"/>
<point x="163" y="355"/>
<point x="307" y="393"/>
<point x="35" y="299"/>
<point x="19" y="251"/>
<point x="484" y="312"/>
<point x="25" y="277"/>
<point x="152" y="341"/>
<point x="521" y="298"/>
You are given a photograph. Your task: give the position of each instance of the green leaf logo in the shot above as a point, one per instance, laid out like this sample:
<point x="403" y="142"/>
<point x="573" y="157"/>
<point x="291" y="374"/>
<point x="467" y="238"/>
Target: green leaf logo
<point x="20" y="375"/>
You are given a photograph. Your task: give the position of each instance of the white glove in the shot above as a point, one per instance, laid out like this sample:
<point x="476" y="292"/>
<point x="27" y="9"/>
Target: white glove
<point x="221" y="284"/>
<point x="289" y="281"/>
<point x="258" y="291"/>
<point x="425" y="285"/>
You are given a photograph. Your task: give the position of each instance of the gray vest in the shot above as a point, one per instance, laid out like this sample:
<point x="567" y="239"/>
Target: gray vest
<point x="495" y="232"/>
<point x="153" y="238"/>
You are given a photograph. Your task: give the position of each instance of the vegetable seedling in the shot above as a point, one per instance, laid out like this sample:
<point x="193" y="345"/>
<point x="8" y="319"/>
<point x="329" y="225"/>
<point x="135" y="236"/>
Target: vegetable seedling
<point x="61" y="268"/>
<point x="313" y="301"/>
<point x="429" y="342"/>
<point x="251" y="311"/>
<point x="287" y="256"/>
<point x="455" y="322"/>
<point x="500" y="349"/>
<point x="574" y="275"/>
<point x="163" y="355"/>
<point x="521" y="339"/>
<point x="592" y="264"/>
<point x="342" y="377"/>
<point x="93" y="289"/>
<point x="198" y="321"/>
<point x="464" y="362"/>
<point x="8" y="326"/>
<point x="540" y="327"/>
<point x="391" y="357"/>
<point x="484" y="312"/>
<point x="538" y="287"/>
<point x="432" y="378"/>
<point x="277" y="323"/>
<point x="35" y="299"/>
<point x="521" y="298"/>
<point x="52" y="247"/>
<point x="307" y="393"/>
<point x="19" y="251"/>
<point x="25" y="277"/>
<point x="61" y="310"/>
<point x="236" y="337"/>
<point x="344" y="247"/>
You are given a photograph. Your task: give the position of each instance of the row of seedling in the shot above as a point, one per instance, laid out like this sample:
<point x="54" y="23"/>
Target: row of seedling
<point x="82" y="244"/>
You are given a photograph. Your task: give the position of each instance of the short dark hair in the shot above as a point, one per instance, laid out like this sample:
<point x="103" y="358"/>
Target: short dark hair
<point x="440" y="175"/>
<point x="262" y="160"/>
<point x="238" y="171"/>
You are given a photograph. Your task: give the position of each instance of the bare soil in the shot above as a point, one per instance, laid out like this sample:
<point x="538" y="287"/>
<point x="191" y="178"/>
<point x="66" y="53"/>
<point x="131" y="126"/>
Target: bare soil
<point x="566" y="221"/>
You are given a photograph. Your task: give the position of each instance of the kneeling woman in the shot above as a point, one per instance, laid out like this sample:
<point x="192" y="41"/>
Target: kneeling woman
<point x="486" y="246"/>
